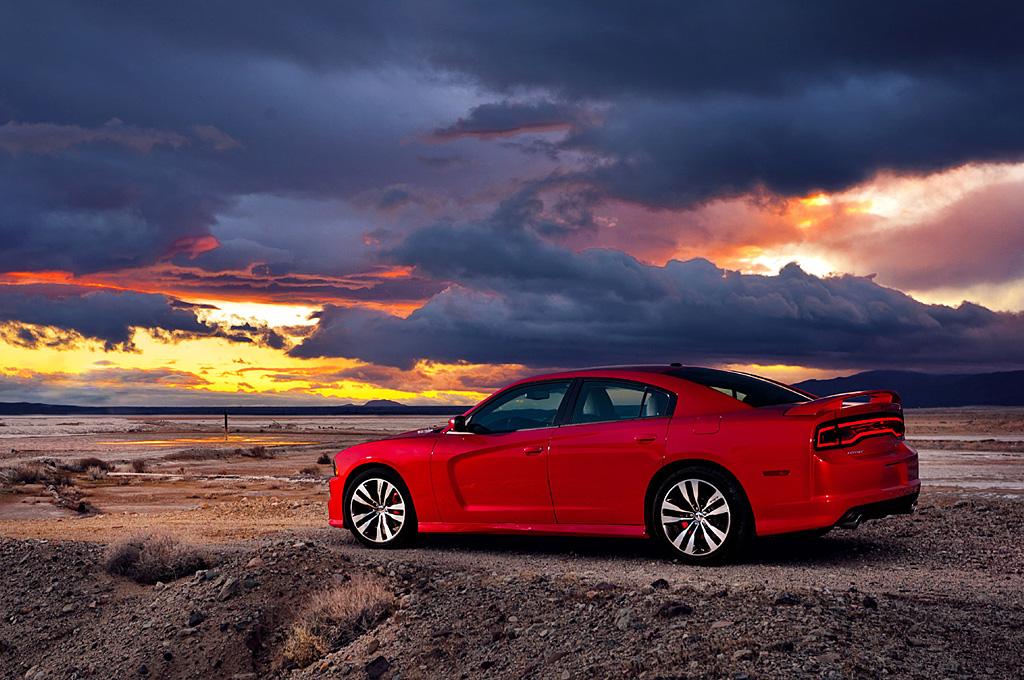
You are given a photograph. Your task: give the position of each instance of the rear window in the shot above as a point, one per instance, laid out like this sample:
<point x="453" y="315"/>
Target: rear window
<point x="746" y="388"/>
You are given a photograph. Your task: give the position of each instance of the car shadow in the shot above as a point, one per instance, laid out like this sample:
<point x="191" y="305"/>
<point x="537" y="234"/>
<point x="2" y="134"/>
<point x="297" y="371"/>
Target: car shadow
<point x="835" y="549"/>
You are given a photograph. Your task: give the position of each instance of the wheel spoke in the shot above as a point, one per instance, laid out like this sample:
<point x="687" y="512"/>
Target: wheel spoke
<point x="683" y="534"/>
<point x="365" y="526"/>
<point x="717" y="511"/>
<point x="711" y="501"/>
<point x="362" y="495"/>
<point x="715" y="538"/>
<point x="668" y="505"/>
<point x="388" y="535"/>
<point x="692" y="496"/>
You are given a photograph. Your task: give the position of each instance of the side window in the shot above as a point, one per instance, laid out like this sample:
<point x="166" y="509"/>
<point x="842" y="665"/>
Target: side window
<point x="524" y="408"/>
<point x="601" y="402"/>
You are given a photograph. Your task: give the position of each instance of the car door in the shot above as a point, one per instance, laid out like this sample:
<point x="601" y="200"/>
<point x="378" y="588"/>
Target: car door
<point x="496" y="471"/>
<point x="601" y="461"/>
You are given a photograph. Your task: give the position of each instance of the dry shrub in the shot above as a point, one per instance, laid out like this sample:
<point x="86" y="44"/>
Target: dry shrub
<point x="311" y="471"/>
<point x="194" y="454"/>
<point x="303" y="646"/>
<point x="139" y="465"/>
<point x="86" y="463"/>
<point x="61" y="477"/>
<point x="95" y="473"/>
<point x="149" y="558"/>
<point x="258" y="452"/>
<point x="26" y="473"/>
<point x="324" y="459"/>
<point x="334" y="617"/>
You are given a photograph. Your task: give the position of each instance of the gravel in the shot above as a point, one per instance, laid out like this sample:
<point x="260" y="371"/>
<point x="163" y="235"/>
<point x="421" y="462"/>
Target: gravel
<point x="907" y="597"/>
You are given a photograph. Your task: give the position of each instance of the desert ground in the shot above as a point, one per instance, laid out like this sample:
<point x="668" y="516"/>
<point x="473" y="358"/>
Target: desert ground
<point x="163" y="548"/>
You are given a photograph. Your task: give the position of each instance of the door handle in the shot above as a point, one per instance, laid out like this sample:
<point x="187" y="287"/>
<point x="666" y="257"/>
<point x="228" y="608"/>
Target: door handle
<point x="645" y="438"/>
<point x="533" y="450"/>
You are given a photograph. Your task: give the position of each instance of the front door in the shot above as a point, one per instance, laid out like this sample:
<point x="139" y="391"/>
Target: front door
<point x="496" y="471"/>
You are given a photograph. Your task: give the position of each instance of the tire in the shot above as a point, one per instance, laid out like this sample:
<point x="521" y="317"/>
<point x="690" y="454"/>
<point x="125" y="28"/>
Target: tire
<point x="700" y="515"/>
<point x="378" y="509"/>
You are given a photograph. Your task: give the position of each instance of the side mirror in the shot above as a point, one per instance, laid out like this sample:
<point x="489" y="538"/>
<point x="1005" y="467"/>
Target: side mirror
<point x="458" y="424"/>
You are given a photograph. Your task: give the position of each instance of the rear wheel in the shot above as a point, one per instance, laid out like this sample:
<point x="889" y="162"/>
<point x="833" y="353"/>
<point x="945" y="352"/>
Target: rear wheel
<point x="379" y="510"/>
<point x="700" y="515"/>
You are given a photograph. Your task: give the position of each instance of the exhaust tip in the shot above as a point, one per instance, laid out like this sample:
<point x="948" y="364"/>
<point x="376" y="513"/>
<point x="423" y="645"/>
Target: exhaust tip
<point x="850" y="520"/>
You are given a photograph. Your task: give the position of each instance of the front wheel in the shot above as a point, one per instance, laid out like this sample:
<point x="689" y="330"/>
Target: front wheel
<point x="700" y="515"/>
<point x="379" y="510"/>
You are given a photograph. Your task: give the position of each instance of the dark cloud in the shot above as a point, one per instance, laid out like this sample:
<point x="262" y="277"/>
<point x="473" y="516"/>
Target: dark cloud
<point x="62" y="317"/>
<point x="517" y="299"/>
<point x="506" y="118"/>
<point x="108" y="318"/>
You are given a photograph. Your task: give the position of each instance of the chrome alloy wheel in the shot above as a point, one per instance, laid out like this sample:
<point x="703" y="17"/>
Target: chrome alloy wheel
<point x="696" y="517"/>
<point x="377" y="510"/>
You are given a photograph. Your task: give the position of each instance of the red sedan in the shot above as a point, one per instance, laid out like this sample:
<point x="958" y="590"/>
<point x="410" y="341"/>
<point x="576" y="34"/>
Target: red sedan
<point x="699" y="459"/>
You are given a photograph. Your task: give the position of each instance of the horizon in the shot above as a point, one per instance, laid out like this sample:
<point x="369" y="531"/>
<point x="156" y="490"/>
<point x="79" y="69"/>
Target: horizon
<point x="307" y="206"/>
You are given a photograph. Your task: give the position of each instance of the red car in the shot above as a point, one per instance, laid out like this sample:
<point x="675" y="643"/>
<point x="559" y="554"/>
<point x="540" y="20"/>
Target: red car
<point x="697" y="458"/>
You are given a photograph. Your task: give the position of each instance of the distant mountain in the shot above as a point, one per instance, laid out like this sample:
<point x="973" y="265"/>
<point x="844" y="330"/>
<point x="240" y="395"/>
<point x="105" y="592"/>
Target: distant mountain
<point x="921" y="390"/>
<point x="384" y="403"/>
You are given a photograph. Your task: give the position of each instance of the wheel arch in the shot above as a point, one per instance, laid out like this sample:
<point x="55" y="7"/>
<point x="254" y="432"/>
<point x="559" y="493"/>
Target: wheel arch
<point x="666" y="471"/>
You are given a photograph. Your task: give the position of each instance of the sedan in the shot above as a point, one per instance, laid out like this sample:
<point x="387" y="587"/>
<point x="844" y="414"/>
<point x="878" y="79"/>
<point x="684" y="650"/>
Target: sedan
<point x="698" y="459"/>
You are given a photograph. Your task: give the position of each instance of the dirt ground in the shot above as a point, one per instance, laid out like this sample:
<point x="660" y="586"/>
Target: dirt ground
<point x="914" y="597"/>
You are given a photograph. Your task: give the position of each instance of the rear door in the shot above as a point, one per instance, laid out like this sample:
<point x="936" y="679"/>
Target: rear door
<point x="602" y="460"/>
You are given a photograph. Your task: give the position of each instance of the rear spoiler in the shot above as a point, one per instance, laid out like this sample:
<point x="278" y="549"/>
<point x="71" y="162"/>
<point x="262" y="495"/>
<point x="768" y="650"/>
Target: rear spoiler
<point x="835" y="402"/>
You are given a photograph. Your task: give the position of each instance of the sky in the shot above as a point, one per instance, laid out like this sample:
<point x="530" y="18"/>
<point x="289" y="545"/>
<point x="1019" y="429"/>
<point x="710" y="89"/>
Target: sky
<point x="272" y="203"/>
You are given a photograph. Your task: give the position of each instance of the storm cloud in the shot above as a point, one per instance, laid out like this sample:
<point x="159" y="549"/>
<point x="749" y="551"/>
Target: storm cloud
<point x="516" y="299"/>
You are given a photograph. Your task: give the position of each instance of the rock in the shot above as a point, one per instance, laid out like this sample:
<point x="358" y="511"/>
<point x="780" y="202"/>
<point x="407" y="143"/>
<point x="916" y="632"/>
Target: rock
<point x="718" y="625"/>
<point x="229" y="588"/>
<point x="372" y="646"/>
<point x="377" y="668"/>
<point x="869" y="602"/>
<point x="660" y="584"/>
<point x="254" y="563"/>
<point x="743" y="655"/>
<point x="195" y="618"/>
<point x="210" y="575"/>
<point x="143" y="670"/>
<point x="623" y="619"/>
<point x="249" y="583"/>
<point x="67" y="609"/>
<point x="604" y="585"/>
<point x="672" y="609"/>
<point x="557" y="656"/>
<point x="787" y="599"/>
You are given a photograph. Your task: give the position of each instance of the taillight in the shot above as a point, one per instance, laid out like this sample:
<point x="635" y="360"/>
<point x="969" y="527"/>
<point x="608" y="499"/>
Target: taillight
<point x="848" y="431"/>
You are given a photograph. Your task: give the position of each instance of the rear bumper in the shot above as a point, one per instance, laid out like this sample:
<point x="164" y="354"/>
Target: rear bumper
<point x="847" y="488"/>
<point x="904" y="505"/>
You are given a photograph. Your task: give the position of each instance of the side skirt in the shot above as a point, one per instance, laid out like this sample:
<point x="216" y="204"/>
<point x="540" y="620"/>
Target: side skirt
<point x="608" y="530"/>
